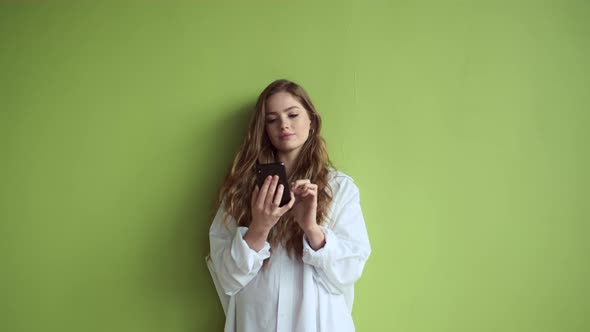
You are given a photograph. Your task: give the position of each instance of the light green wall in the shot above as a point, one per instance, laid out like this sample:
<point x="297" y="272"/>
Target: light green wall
<point x="464" y="123"/>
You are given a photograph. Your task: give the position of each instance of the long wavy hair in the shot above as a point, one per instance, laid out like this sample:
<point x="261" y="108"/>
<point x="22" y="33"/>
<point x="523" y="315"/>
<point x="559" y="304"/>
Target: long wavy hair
<point x="312" y="163"/>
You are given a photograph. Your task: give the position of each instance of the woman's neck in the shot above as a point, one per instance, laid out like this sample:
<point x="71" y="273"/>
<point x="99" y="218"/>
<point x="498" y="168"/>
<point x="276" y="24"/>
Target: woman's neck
<point x="290" y="160"/>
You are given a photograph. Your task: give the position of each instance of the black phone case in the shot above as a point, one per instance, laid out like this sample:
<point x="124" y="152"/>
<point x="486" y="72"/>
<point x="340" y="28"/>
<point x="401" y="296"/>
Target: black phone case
<point x="264" y="170"/>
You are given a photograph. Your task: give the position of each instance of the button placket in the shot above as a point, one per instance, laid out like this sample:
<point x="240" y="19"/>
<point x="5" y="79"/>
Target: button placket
<point x="280" y="306"/>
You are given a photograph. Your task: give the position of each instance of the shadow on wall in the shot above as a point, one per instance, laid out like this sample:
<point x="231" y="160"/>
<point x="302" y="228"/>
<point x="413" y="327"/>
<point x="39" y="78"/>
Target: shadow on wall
<point x="179" y="274"/>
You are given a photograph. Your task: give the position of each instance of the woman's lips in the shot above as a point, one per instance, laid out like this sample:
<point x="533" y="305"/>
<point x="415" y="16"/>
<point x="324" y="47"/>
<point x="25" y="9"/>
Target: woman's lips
<point x="286" y="137"/>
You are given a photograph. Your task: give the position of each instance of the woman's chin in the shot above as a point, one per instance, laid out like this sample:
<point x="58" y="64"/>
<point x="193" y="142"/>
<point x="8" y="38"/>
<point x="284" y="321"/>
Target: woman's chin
<point x="286" y="147"/>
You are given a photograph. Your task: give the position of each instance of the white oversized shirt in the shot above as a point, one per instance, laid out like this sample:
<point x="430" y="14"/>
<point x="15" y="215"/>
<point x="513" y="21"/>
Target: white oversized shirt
<point x="315" y="295"/>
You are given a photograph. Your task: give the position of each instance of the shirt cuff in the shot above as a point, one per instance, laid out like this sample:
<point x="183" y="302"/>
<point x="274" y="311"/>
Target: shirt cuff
<point x="245" y="257"/>
<point x="320" y="257"/>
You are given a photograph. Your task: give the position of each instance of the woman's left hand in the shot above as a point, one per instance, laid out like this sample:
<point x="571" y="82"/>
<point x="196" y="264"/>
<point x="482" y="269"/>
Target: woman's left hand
<point x="306" y="203"/>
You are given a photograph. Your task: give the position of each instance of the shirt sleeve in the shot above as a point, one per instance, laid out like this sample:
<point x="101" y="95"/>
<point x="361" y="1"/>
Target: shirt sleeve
<point x="340" y="262"/>
<point x="234" y="262"/>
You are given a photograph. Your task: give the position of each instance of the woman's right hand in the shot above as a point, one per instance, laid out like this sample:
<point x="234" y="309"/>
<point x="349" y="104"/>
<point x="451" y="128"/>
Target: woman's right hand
<point x="265" y="204"/>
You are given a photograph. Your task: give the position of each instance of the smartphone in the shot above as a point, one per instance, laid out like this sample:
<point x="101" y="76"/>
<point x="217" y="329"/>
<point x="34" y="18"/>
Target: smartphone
<point x="264" y="170"/>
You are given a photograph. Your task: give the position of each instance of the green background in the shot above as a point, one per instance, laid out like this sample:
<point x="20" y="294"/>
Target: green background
<point x="465" y="125"/>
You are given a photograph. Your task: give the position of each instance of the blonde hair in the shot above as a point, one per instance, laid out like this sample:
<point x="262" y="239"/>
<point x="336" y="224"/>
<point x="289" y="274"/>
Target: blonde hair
<point x="312" y="163"/>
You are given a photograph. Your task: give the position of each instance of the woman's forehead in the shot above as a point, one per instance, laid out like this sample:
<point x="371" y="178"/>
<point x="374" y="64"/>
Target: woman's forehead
<point x="282" y="102"/>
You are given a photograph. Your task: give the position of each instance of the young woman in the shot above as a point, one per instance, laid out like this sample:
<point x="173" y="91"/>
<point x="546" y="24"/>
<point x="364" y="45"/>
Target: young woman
<point x="289" y="268"/>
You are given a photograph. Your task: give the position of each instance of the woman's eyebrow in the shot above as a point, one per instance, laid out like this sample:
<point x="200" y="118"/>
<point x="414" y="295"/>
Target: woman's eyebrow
<point x="285" y="110"/>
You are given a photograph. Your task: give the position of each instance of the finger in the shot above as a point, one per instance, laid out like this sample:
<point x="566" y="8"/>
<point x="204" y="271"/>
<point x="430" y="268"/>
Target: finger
<point x="307" y="187"/>
<point x="289" y="205"/>
<point x="292" y="201"/>
<point x="298" y="183"/>
<point x="271" y="190"/>
<point x="302" y="189"/>
<point x="298" y="189"/>
<point x="311" y="189"/>
<point x="262" y="193"/>
<point x="308" y="192"/>
<point x="278" y="196"/>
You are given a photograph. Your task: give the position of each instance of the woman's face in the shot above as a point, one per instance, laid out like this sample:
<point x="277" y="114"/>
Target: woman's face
<point x="287" y="122"/>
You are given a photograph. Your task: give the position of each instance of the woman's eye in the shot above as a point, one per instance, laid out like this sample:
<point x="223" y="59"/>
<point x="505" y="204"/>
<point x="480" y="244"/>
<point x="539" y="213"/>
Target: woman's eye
<point x="270" y="120"/>
<point x="293" y="115"/>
